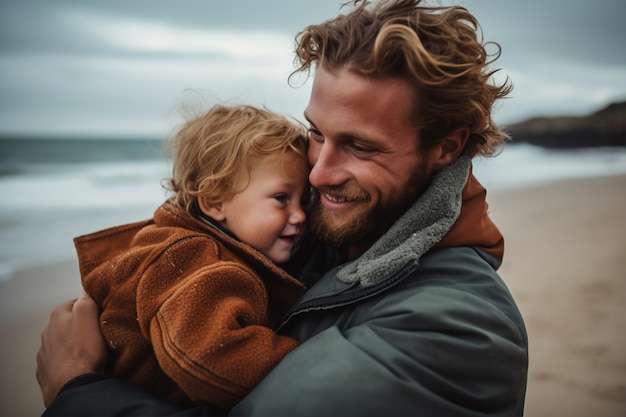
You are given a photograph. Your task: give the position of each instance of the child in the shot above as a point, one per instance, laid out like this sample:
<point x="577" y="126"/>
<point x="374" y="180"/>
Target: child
<point x="189" y="297"/>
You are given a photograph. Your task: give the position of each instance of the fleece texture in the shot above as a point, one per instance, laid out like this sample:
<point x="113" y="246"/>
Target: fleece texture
<point x="186" y="310"/>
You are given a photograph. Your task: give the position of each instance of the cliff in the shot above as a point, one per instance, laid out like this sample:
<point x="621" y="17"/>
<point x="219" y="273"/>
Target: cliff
<point x="606" y="127"/>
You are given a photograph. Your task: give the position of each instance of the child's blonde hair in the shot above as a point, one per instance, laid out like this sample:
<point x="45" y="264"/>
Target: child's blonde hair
<point x="212" y="151"/>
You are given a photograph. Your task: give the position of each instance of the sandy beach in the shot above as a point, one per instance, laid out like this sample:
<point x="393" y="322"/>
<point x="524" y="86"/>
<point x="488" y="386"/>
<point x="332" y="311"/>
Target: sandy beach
<point x="565" y="263"/>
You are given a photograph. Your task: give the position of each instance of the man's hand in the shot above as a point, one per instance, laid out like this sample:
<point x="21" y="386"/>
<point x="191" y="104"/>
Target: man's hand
<point x="71" y="345"/>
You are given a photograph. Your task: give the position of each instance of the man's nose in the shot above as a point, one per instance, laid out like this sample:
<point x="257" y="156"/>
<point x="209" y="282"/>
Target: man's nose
<point x="328" y="165"/>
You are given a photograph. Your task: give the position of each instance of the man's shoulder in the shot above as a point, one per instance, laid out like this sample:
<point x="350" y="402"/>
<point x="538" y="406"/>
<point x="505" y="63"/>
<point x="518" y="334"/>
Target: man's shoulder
<point x="464" y="269"/>
<point x="464" y="255"/>
<point x="462" y="279"/>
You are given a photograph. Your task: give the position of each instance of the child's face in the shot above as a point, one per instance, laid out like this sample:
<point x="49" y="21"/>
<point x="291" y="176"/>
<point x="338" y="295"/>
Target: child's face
<point x="268" y="213"/>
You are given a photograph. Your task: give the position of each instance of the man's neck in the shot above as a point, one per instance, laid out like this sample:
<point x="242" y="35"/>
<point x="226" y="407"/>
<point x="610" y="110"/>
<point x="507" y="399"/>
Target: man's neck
<point x="354" y="251"/>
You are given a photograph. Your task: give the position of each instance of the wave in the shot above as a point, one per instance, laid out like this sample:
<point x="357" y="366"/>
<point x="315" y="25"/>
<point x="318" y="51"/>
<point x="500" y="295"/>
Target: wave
<point x="94" y="185"/>
<point x="523" y="165"/>
<point x="46" y="203"/>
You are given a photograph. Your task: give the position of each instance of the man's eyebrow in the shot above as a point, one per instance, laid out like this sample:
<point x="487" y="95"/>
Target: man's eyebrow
<point x="349" y="136"/>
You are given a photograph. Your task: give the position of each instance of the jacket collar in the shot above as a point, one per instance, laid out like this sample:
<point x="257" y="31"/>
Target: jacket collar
<point x="474" y="227"/>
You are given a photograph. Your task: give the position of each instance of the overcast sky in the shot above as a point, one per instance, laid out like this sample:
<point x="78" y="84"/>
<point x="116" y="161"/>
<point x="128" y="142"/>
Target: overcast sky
<point x="128" y="67"/>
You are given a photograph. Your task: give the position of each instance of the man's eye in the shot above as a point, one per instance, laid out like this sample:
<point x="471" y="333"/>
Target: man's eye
<point x="314" y="134"/>
<point x="360" y="149"/>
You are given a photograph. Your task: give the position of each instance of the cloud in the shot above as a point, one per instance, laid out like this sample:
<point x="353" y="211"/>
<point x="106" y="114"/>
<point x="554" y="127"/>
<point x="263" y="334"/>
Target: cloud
<point x="144" y="37"/>
<point x="120" y="67"/>
<point x="115" y="75"/>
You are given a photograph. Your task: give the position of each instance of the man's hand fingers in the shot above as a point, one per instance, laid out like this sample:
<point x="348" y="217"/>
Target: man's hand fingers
<point x="71" y="345"/>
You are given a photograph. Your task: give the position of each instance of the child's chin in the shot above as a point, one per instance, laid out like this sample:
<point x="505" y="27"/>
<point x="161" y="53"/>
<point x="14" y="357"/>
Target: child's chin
<point x="280" y="258"/>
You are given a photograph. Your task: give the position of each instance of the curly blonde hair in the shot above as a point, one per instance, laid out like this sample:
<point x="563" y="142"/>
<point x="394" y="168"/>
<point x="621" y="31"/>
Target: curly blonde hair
<point x="439" y="49"/>
<point x="215" y="152"/>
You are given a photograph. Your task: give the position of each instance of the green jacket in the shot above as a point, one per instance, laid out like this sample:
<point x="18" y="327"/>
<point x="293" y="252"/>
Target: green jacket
<point x="405" y="329"/>
<point x="421" y="324"/>
<point x="438" y="338"/>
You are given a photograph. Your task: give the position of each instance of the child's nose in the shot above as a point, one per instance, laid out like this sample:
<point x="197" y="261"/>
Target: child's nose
<point x="297" y="215"/>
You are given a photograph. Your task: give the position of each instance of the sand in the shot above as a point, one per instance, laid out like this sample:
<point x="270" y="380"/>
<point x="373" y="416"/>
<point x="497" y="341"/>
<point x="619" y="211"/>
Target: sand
<point x="25" y="304"/>
<point x="565" y="263"/>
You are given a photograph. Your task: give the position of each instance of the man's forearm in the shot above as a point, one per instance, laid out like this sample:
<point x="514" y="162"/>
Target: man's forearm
<point x="93" y="395"/>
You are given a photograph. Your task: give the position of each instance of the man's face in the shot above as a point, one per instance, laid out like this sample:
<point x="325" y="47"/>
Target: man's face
<point x="363" y="150"/>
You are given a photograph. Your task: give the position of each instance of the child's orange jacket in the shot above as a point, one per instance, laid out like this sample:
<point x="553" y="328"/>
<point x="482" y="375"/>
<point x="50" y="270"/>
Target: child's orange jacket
<point x="187" y="311"/>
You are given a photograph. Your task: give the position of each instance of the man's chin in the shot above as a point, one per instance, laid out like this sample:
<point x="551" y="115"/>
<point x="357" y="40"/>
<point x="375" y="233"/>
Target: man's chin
<point x="340" y="231"/>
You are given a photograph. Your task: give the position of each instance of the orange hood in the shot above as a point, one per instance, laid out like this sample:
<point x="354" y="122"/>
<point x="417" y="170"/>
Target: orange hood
<point x="474" y="226"/>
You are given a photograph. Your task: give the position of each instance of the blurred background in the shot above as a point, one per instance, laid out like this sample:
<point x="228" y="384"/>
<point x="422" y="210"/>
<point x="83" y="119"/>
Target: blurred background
<point x="121" y="69"/>
<point x="89" y="90"/>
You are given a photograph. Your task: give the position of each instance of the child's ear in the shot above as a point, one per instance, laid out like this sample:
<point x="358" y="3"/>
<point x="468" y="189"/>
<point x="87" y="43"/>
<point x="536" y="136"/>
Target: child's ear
<point x="213" y="210"/>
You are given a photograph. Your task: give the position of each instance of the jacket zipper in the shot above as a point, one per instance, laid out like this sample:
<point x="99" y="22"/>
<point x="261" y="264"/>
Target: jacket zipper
<point x="340" y="300"/>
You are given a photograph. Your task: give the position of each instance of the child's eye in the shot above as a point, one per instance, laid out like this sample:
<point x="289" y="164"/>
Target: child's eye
<point x="281" y="198"/>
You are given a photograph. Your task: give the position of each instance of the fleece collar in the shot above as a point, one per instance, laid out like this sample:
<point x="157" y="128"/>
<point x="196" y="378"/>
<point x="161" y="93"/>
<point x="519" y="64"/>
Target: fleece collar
<point x="474" y="227"/>
<point x="429" y="222"/>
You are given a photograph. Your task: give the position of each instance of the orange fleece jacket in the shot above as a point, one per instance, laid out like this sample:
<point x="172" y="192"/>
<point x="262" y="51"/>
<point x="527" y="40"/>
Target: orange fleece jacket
<point x="186" y="310"/>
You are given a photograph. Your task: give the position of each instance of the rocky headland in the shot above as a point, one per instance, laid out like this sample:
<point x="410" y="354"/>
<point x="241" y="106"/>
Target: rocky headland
<point x="605" y="127"/>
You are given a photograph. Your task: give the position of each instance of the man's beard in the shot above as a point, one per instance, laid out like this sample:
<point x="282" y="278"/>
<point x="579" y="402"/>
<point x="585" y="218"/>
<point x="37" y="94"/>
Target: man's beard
<point x="365" y="225"/>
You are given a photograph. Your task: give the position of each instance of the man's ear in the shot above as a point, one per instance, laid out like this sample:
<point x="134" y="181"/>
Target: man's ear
<point x="449" y="149"/>
<point x="213" y="210"/>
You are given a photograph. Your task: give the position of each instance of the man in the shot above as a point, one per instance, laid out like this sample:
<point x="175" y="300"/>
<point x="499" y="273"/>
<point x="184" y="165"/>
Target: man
<point x="417" y="321"/>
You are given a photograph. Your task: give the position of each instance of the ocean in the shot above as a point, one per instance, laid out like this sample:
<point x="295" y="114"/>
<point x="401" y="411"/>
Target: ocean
<point x="53" y="190"/>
